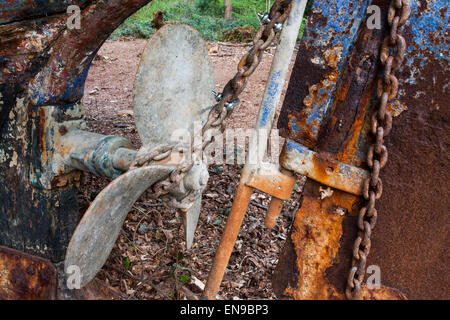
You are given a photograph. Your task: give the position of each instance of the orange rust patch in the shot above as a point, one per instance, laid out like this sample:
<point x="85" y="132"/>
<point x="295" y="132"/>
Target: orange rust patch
<point x="351" y="147"/>
<point x="316" y="236"/>
<point x="384" y="293"/>
<point x="318" y="93"/>
<point x="25" y="277"/>
<point x="323" y="166"/>
<point x="66" y="179"/>
<point x="278" y="185"/>
<point x="333" y="56"/>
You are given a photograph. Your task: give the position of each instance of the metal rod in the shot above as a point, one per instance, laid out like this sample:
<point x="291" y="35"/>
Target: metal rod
<point x="258" y="144"/>
<point x="276" y="205"/>
<point x="323" y="169"/>
<point x="228" y="240"/>
<point x="123" y="159"/>
<point x="273" y="212"/>
<point x="275" y="84"/>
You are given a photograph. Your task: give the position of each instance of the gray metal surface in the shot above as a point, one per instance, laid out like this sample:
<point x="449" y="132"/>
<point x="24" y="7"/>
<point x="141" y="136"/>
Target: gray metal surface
<point x="190" y="221"/>
<point x="174" y="84"/>
<point x="173" y="93"/>
<point x="194" y="182"/>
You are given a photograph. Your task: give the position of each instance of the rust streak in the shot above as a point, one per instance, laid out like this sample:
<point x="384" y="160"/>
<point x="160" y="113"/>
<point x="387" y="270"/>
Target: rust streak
<point x="316" y="235"/>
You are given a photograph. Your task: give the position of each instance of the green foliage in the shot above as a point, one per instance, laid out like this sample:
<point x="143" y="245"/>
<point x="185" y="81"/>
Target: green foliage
<point x="204" y="15"/>
<point x="210" y="7"/>
<point x="126" y="263"/>
<point x="184" y="278"/>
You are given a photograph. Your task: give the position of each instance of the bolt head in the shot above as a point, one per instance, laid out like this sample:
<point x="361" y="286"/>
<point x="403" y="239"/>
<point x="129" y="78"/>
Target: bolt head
<point x="278" y="27"/>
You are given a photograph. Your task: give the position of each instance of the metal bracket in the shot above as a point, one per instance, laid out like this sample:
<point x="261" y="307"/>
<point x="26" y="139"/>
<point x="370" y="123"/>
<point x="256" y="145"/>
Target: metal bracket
<point x="49" y="125"/>
<point x="323" y="169"/>
<point x="269" y="179"/>
<point x="94" y="153"/>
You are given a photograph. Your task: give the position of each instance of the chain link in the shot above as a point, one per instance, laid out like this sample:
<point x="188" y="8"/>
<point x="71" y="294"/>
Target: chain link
<point x="227" y="101"/>
<point x="392" y="55"/>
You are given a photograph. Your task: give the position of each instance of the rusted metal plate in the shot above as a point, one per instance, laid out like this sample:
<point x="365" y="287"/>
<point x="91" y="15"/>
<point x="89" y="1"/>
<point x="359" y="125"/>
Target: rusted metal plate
<point x="33" y="220"/>
<point x="97" y="232"/>
<point x="174" y="85"/>
<point x="323" y="56"/>
<point x="327" y="110"/>
<point x="26" y="277"/>
<point x="64" y="82"/>
<point x="410" y="243"/>
<point x="316" y="233"/>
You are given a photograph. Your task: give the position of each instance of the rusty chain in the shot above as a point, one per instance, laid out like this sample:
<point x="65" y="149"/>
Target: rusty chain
<point x="226" y="101"/>
<point x="377" y="155"/>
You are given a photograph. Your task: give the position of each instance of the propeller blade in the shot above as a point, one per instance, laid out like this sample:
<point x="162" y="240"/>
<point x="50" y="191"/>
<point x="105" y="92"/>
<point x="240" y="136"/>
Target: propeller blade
<point x="190" y="220"/>
<point x="173" y="87"/>
<point x="173" y="95"/>
<point x="100" y="226"/>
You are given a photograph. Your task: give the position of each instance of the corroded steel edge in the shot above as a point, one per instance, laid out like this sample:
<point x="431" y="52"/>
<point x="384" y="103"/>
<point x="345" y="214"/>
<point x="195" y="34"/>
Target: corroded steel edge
<point x="26" y="277"/>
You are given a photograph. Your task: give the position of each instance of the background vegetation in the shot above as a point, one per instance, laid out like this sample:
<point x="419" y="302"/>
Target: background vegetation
<point x="207" y="16"/>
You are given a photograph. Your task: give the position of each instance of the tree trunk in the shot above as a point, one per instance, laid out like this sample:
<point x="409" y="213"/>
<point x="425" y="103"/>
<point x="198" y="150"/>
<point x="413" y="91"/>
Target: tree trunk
<point x="228" y="8"/>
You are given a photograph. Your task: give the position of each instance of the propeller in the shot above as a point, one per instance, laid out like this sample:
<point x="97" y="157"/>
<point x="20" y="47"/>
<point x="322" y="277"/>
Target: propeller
<point x="172" y="97"/>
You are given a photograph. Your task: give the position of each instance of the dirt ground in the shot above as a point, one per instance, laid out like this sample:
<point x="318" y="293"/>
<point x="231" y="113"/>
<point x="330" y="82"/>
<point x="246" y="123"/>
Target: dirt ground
<point x="150" y="260"/>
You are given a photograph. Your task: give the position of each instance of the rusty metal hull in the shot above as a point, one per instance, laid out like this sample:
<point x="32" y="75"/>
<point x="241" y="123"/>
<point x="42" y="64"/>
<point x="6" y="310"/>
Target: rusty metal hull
<point x="34" y="217"/>
<point x="326" y="110"/>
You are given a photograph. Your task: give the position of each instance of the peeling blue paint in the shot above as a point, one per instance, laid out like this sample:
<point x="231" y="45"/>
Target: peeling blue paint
<point x="74" y="87"/>
<point x="344" y="18"/>
<point x="268" y="105"/>
<point x="293" y="124"/>
<point x="428" y="27"/>
<point x="290" y="145"/>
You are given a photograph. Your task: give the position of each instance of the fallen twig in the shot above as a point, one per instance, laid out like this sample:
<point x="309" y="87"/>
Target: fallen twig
<point x="153" y="205"/>
<point x="256" y="204"/>
<point x="222" y="55"/>
<point x="230" y="44"/>
<point x="143" y="281"/>
<point x="189" y="294"/>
